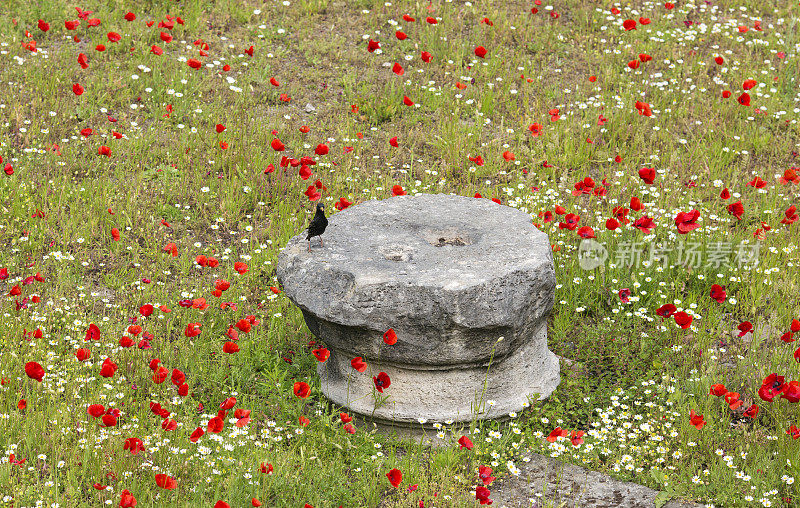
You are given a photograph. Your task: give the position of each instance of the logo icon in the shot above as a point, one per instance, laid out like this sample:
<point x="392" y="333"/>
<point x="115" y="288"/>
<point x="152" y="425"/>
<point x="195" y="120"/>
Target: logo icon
<point x="591" y="254"/>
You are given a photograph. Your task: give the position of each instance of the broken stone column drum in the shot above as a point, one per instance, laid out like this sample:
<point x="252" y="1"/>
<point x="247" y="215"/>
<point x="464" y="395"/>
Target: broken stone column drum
<point x="466" y="284"/>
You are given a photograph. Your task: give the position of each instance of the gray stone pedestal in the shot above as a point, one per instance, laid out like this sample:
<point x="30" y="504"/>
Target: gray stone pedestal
<point x="466" y="284"/>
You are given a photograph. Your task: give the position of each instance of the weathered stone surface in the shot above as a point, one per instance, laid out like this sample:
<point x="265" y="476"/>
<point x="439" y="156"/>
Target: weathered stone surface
<point x="451" y="275"/>
<point x="544" y="479"/>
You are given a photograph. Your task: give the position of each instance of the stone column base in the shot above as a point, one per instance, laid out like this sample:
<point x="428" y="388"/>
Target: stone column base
<point x="451" y="395"/>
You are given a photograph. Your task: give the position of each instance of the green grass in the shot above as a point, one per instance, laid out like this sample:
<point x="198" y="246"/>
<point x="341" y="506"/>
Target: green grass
<point x="168" y="180"/>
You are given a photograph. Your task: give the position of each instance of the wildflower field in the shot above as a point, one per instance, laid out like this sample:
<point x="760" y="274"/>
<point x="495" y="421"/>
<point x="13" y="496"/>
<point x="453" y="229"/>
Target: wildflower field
<point x="157" y="155"/>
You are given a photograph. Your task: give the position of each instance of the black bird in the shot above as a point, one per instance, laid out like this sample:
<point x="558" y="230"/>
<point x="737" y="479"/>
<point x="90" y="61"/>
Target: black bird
<point x="317" y="226"/>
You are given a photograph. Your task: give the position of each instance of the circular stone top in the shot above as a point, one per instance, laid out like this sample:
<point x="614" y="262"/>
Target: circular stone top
<point x="443" y="271"/>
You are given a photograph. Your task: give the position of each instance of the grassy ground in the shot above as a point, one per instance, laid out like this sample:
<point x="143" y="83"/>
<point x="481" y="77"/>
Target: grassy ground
<point x="552" y="102"/>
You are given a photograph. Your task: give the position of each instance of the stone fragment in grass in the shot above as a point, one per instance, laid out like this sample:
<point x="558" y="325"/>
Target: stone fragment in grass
<point x="466" y="284"/>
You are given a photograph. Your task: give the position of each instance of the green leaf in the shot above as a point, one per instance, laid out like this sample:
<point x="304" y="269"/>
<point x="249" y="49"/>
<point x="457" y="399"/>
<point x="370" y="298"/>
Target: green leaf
<point x="662" y="498"/>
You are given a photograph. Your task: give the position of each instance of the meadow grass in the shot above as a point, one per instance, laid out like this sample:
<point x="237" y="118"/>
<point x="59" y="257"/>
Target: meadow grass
<point x="558" y="98"/>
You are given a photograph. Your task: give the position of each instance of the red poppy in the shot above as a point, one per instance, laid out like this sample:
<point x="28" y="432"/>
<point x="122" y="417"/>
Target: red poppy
<point x="194" y="63"/>
<point x="732" y="398"/>
<point x="196" y="434"/>
<point x="644" y="224"/>
<point x="230" y="348"/>
<point x="390" y="337"/>
<point x="482" y="493"/>
<point x="401" y="35"/>
<point x="215" y="425"/>
<point x="277" y="145"/>
<point x="757" y="182"/>
<point x="696" y="420"/>
<point x="240" y="267"/>
<point x="745" y="328"/>
<point x="108" y="368"/>
<point x="407" y="101"/>
<point x="772" y="386"/>
<point x="557" y="433"/>
<point x="222" y="504"/>
<point x="342" y="204"/>
<point x="718" y="389"/>
<point x="160" y="375"/>
<point x="301" y="389"/>
<point x="642" y="107"/>
<point x="381" y="381"/>
<point x="34" y="371"/>
<point x="586" y="232"/>
<point x="751" y="412"/>
<point x="358" y="364"/>
<point x="114" y="37"/>
<point x="736" y="209"/>
<point x="71" y="25"/>
<point x="744" y="99"/>
<point x="794" y="432"/>
<point x="398" y="69"/>
<point x="718" y="293"/>
<point x="322" y="354"/>
<point x="570" y="222"/>
<point x="395" y="477"/>
<point x="192" y="330"/>
<point x="464" y="442"/>
<point x="687" y="221"/>
<point x="485" y="474"/>
<point x="636" y="204"/>
<point x="126" y="499"/>
<point x="425" y="56"/>
<point x="576" y="437"/>
<point x="166" y="482"/>
<point x="96" y="410"/>
<point x="536" y="129"/>
<point x="790" y="176"/>
<point x="683" y="320"/>
<point x="480" y="52"/>
<point x="624" y="295"/>
<point x="397" y="190"/>
<point x="790" y="216"/>
<point x="373" y="45"/>
<point x="791" y="392"/>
